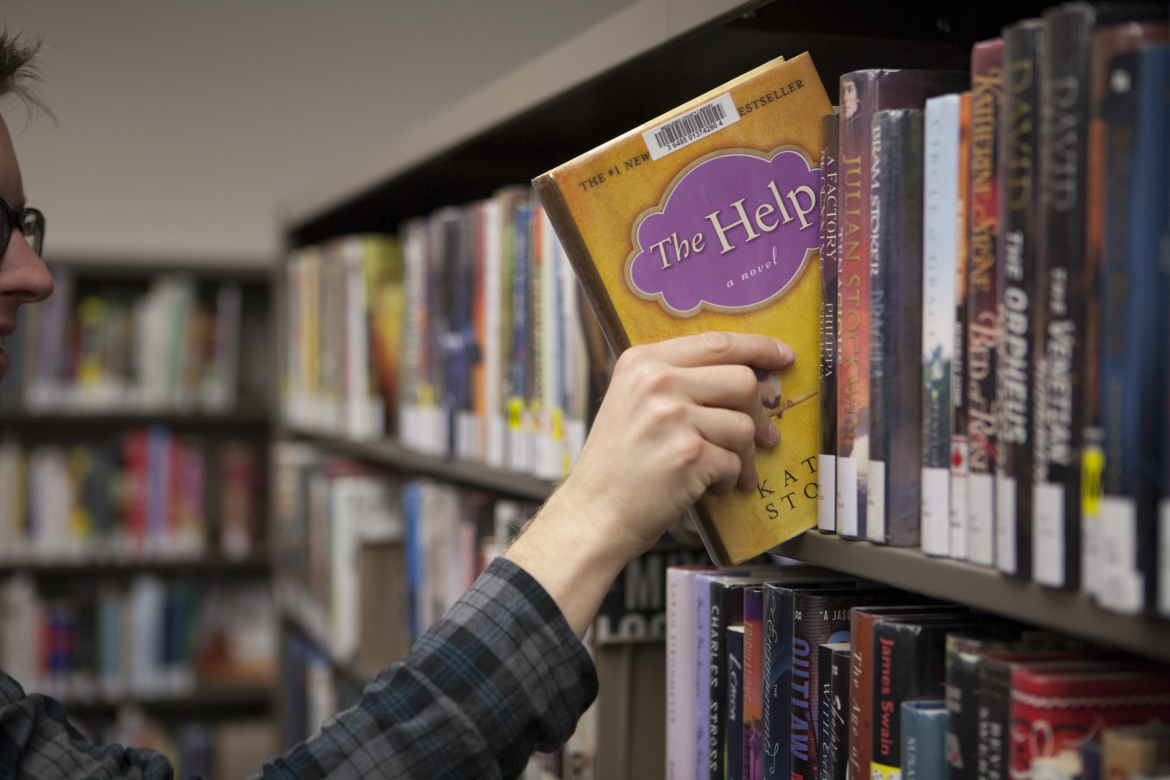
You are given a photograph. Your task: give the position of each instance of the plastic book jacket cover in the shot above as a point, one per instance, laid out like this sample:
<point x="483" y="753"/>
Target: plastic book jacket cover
<point x="708" y="219"/>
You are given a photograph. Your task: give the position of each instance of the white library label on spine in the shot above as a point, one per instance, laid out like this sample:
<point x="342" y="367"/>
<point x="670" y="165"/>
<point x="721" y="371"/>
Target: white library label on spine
<point x="1048" y="534"/>
<point x="875" y="502"/>
<point x="1005" y="524"/>
<point x="980" y="519"/>
<point x="694" y="125"/>
<point x="1122" y="587"/>
<point x="1164" y="557"/>
<point x="827" y="492"/>
<point x="847" y="496"/>
<point x="936" y="511"/>
<point x="959" y="512"/>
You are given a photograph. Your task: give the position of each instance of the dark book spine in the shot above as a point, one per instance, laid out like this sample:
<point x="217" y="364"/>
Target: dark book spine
<point x="839" y="714"/>
<point x="1019" y="251"/>
<point x="995" y="680"/>
<point x="827" y="459"/>
<point x="721" y="609"/>
<point x="1135" y="290"/>
<point x="895" y="469"/>
<point x="1059" y="313"/>
<point x="962" y="696"/>
<point x="733" y="733"/>
<point x="982" y="246"/>
<point x="969" y="136"/>
<point x="825" y="662"/>
<point x="909" y="664"/>
<point x="777" y="681"/>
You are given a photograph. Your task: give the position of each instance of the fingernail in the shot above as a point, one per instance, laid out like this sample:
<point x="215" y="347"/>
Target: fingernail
<point x="773" y="436"/>
<point x="787" y="355"/>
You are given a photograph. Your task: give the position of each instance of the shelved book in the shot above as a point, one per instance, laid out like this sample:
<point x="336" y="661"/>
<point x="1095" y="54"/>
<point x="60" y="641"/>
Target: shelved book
<point x="708" y="219"/>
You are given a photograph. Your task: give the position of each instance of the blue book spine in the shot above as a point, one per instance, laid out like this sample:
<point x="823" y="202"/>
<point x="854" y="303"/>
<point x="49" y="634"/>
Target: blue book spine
<point x="520" y="302"/>
<point x="702" y="681"/>
<point x="733" y="742"/>
<point x="924" y="730"/>
<point x="415" y="555"/>
<point x="1134" y="324"/>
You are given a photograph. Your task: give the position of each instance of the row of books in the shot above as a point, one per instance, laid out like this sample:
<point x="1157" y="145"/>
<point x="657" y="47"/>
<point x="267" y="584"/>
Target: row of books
<point x="370" y="561"/>
<point x="173" y="345"/>
<point x="795" y="673"/>
<point x="152" y="639"/>
<point x="465" y="333"/>
<point x="995" y="304"/>
<point x="234" y="749"/>
<point x="145" y="494"/>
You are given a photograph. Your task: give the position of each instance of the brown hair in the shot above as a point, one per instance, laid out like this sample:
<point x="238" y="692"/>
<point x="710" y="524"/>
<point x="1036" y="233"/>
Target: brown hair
<point x="18" y="72"/>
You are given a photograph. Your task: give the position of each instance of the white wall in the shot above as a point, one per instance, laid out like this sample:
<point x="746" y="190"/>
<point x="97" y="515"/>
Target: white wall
<point x="183" y="126"/>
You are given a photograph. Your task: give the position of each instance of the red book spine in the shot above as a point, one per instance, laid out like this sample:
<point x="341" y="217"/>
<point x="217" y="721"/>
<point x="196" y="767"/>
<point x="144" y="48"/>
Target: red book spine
<point x="860" y="693"/>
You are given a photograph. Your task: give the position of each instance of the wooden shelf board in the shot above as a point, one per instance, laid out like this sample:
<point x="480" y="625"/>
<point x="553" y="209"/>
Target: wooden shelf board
<point x="394" y="455"/>
<point x="986" y="589"/>
<point x="209" y="566"/>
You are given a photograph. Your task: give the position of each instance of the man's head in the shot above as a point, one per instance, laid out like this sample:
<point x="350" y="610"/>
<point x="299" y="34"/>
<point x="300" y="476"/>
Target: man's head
<point x="23" y="277"/>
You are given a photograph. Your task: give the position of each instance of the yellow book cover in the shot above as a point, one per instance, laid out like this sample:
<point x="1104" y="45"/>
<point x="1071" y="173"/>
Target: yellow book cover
<point x="708" y="219"/>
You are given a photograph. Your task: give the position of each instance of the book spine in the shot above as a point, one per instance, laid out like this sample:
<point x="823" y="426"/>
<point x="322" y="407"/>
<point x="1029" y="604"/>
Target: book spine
<point x="1135" y="290"/>
<point x="860" y="694"/>
<point x="839" y="714"/>
<point x="958" y="406"/>
<point x="680" y="664"/>
<point x="940" y="232"/>
<point x="777" y="682"/>
<point x="897" y="258"/>
<point x="983" y="239"/>
<point x="733" y="735"/>
<point x="1020" y="159"/>
<point x="701" y="675"/>
<point x="1058" y="312"/>
<point x="753" y="673"/>
<point x="853" y="304"/>
<point x="962" y="697"/>
<point x="924" y="725"/>
<point x="994" y="715"/>
<point x="880" y="256"/>
<point x="830" y="268"/>
<point x="825" y="662"/>
<point x="721" y="606"/>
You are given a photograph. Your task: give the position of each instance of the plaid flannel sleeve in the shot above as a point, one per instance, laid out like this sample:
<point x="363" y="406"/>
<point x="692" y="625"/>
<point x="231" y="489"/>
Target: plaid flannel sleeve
<point x="501" y="674"/>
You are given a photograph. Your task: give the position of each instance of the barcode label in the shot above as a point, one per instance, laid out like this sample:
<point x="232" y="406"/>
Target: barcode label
<point x="691" y="126"/>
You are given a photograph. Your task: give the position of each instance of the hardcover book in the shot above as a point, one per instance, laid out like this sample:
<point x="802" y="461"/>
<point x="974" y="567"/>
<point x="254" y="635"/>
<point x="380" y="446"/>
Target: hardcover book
<point x="827" y="458"/>
<point x="960" y="513"/>
<point x="1135" y="288"/>
<point x="733" y="730"/>
<point x="894" y="507"/>
<point x="863" y="94"/>
<point x="838" y="712"/>
<point x="753" y="687"/>
<point x="825" y="693"/>
<point x="708" y="219"/>
<point x="1016" y="281"/>
<point x="681" y="662"/>
<point x="1107" y="43"/>
<point x="940" y="250"/>
<point x="924" y="726"/>
<point x="982" y="246"/>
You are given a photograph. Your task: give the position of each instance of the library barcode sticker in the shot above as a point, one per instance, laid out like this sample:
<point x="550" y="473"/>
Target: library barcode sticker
<point x="692" y="126"/>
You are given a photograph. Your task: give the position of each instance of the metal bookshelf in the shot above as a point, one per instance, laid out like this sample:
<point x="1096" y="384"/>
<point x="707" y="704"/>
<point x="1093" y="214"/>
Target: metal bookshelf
<point x="986" y="589"/>
<point x="84" y="567"/>
<point x="229" y="699"/>
<point x="390" y="453"/>
<point x="98" y="420"/>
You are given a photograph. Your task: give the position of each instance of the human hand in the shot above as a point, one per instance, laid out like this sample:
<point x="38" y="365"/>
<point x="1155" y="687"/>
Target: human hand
<point x="680" y="416"/>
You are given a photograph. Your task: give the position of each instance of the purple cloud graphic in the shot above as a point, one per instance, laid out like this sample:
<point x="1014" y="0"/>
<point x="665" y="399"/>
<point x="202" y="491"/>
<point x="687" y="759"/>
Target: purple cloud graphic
<point x="733" y="235"/>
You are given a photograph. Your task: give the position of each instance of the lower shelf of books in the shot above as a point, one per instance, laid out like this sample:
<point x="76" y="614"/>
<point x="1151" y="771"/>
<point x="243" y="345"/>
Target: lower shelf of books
<point x="1063" y="610"/>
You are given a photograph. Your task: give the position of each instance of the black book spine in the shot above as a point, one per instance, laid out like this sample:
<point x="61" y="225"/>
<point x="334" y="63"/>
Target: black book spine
<point x="1060" y="313"/>
<point x="895" y="469"/>
<point x="825" y="661"/>
<point x="827" y="459"/>
<point x="962" y="748"/>
<point x="1021" y="231"/>
<point x="995" y="682"/>
<point x="733" y="729"/>
<point x="839" y="714"/>
<point x="722" y="604"/>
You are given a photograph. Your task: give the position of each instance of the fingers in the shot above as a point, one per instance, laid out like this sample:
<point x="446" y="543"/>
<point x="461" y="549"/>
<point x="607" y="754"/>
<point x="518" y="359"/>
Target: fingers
<point x="720" y="348"/>
<point x="732" y="432"/>
<point x="730" y="387"/>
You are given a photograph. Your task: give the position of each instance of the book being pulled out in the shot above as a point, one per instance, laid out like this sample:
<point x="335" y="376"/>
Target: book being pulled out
<point x="708" y="219"/>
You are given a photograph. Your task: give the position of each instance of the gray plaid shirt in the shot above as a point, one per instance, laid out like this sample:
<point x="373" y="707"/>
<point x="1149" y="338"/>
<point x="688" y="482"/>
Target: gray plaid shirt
<point x="500" y="675"/>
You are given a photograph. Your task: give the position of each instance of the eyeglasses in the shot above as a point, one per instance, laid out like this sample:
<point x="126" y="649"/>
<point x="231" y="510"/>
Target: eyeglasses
<point x="30" y="222"/>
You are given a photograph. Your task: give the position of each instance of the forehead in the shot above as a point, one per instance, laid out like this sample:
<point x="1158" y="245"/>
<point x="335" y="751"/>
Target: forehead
<point x="11" y="186"/>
